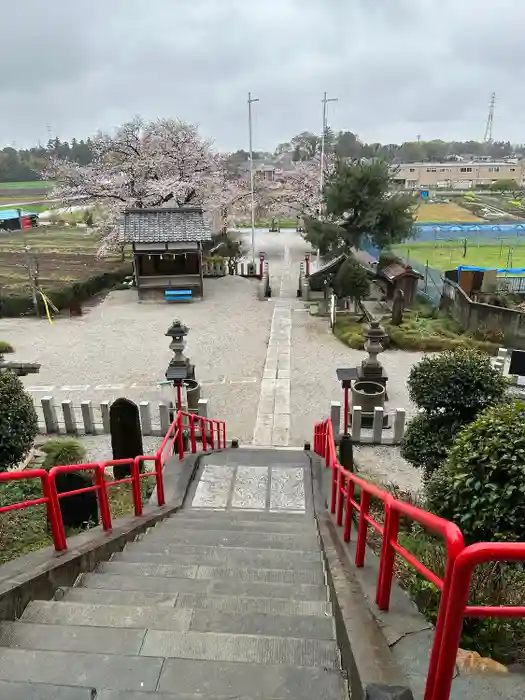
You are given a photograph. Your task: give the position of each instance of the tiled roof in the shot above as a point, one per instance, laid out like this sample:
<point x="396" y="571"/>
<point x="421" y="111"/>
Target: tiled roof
<point x="164" y="225"/>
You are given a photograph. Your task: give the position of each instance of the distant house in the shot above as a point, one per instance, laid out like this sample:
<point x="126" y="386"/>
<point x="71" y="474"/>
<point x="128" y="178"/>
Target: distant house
<point x="15" y="219"/>
<point x="167" y="250"/>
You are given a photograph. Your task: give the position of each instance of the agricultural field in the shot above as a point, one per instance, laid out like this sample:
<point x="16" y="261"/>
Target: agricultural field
<point x="444" y="212"/>
<point x="31" y="185"/>
<point x="36" y="208"/>
<point x="447" y="255"/>
<point x="65" y="257"/>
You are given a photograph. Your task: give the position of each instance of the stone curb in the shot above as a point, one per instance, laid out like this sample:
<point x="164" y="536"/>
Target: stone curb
<point x="373" y="673"/>
<point x="38" y="575"/>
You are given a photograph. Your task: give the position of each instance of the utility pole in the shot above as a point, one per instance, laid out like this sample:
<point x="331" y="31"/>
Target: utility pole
<point x="251" y="100"/>
<point x="325" y="101"/>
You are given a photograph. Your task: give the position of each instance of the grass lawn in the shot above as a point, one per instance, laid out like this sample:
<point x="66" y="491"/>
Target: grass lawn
<point x="35" y="208"/>
<point x="447" y="255"/>
<point x="32" y="185"/>
<point x="449" y="212"/>
<point x="423" y="328"/>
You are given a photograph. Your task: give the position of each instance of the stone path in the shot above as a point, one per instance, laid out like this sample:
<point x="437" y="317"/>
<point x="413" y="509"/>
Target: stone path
<point x="278" y="489"/>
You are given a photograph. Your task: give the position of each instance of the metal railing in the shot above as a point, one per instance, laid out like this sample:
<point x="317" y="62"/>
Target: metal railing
<point x="460" y="563"/>
<point x="186" y="427"/>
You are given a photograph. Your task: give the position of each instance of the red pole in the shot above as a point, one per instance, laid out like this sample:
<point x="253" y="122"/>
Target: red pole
<point x="160" y="481"/>
<point x="180" y="436"/>
<point x="349" y="509"/>
<point x="340" y="497"/>
<point x="193" y="437"/>
<point x="362" y="529"/>
<point x="135" y="485"/>
<point x="458" y="599"/>
<point x="179" y="397"/>
<point x="307" y="265"/>
<point x="346" y="411"/>
<point x="388" y="555"/>
<point x="54" y="514"/>
<point x="203" y="433"/>
<point x="102" y="491"/>
<point x="335" y="470"/>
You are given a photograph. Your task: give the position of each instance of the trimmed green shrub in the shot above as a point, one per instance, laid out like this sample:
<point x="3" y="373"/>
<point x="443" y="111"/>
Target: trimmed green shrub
<point x="461" y="382"/>
<point x="63" y="295"/>
<point x="5" y="347"/>
<point x="62" y="451"/>
<point x="18" y="421"/>
<point x="427" y="440"/>
<point x="481" y="485"/>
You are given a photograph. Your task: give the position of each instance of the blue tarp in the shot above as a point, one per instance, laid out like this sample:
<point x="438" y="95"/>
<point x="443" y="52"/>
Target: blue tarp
<point x="509" y="270"/>
<point x="7" y="214"/>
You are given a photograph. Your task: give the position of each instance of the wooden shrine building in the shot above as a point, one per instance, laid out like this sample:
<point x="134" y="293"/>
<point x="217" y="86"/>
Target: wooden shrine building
<point x="167" y="251"/>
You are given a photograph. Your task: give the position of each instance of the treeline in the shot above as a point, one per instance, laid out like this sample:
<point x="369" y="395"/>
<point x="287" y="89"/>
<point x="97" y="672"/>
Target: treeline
<point x="346" y="144"/>
<point x="24" y="165"/>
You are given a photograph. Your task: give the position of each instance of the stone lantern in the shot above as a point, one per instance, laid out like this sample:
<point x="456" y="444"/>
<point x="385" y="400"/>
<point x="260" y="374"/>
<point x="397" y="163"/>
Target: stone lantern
<point x="180" y="371"/>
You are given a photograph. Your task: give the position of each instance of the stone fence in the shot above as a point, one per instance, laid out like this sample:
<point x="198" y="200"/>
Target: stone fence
<point x="377" y="434"/>
<point x="220" y="268"/>
<point x="87" y="418"/>
<point x="474" y="316"/>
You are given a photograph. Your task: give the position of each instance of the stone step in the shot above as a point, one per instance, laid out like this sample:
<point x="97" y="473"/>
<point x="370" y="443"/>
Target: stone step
<point x="233" y="680"/>
<point x="110" y="671"/>
<point x="306" y="526"/>
<point x="216" y="538"/>
<point x="27" y="635"/>
<point x="220" y="556"/>
<point x="236" y="515"/>
<point x="228" y="604"/>
<point x="238" y="555"/>
<point x="241" y="648"/>
<point x="14" y="690"/>
<point x="173" y="585"/>
<point x="170" y="569"/>
<point x="208" y="646"/>
<point x="48" y="612"/>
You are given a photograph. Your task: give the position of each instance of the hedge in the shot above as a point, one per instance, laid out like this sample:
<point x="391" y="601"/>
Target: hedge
<point x="63" y="295"/>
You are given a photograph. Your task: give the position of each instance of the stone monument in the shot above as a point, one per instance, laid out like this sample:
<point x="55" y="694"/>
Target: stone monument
<point x="370" y="368"/>
<point x="398" y="306"/>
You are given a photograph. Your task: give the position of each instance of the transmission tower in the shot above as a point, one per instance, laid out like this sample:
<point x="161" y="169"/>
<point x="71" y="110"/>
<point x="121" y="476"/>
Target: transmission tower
<point x="490" y="120"/>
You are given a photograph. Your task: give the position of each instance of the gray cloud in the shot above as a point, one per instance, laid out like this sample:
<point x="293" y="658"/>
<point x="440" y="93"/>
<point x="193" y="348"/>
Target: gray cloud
<point x="398" y="68"/>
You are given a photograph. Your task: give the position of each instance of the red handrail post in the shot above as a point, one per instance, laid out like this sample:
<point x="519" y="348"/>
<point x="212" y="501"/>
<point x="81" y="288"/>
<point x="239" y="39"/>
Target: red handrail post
<point x="135" y="486"/>
<point x="212" y="435"/>
<point x="54" y="514"/>
<point x="103" y="501"/>
<point x="61" y="530"/>
<point x="224" y="434"/>
<point x="350" y="489"/>
<point x="458" y="599"/>
<point x="203" y="433"/>
<point x="346" y="410"/>
<point x="159" y="478"/>
<point x="335" y="480"/>
<point x="193" y="438"/>
<point x="180" y="436"/>
<point x="362" y="528"/>
<point x="388" y="555"/>
<point x="340" y="496"/>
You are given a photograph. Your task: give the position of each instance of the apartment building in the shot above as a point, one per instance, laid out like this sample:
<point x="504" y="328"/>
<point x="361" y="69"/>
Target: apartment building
<point x="462" y="175"/>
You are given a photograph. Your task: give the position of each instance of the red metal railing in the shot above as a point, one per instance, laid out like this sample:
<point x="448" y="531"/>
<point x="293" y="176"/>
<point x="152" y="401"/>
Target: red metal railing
<point x="185" y="425"/>
<point x="461" y="561"/>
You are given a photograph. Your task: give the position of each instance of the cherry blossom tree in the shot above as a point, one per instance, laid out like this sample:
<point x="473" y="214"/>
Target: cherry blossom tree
<point x="143" y="164"/>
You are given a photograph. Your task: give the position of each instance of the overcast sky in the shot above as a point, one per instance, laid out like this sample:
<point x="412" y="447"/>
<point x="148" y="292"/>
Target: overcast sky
<point x="399" y="67"/>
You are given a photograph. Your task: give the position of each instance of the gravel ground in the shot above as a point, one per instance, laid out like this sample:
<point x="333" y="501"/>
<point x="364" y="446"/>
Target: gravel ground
<point x="123" y="342"/>
<point x="316" y="354"/>
<point x="384" y="464"/>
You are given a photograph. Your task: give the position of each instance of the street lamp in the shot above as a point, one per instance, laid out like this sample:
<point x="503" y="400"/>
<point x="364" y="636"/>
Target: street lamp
<point x="325" y="101"/>
<point x="251" y="100"/>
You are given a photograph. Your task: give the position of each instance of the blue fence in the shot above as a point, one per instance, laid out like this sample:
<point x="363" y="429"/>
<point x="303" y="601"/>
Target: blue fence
<point x="432" y="232"/>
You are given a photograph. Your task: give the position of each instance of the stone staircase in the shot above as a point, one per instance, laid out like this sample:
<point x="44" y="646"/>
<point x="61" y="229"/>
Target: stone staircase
<point x="209" y="603"/>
